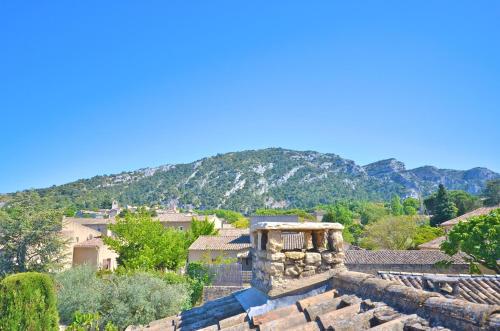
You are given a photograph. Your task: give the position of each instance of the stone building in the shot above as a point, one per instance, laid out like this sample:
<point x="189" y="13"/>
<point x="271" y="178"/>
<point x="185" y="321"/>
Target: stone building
<point x="325" y="296"/>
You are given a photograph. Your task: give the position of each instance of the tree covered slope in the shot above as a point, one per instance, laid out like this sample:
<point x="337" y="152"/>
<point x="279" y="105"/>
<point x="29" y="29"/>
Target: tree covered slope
<point x="271" y="177"/>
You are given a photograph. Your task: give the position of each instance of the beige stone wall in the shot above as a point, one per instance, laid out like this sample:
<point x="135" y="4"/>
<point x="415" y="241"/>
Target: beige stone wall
<point x="208" y="256"/>
<point x="177" y="225"/>
<point x="75" y="233"/>
<point x="107" y="258"/>
<point x="86" y="255"/>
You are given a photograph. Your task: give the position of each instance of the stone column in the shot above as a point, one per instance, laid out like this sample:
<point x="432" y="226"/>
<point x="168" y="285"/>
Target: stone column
<point x="274" y="241"/>
<point x="308" y="242"/>
<point x="335" y="241"/>
<point x="319" y="241"/>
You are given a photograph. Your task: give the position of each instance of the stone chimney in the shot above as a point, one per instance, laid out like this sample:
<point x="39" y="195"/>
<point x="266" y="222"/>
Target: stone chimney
<point x="312" y="254"/>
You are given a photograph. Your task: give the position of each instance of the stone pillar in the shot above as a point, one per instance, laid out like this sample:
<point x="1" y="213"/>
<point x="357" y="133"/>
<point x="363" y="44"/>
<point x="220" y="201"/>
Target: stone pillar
<point x="274" y="242"/>
<point x="335" y="241"/>
<point x="308" y="242"/>
<point x="319" y="241"/>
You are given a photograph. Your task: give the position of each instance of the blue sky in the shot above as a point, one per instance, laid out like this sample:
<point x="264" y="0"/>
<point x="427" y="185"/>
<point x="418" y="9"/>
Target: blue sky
<point x="99" y="87"/>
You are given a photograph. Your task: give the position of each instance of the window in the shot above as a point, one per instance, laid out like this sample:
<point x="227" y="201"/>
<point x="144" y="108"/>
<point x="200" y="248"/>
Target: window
<point x="77" y="239"/>
<point x="181" y="228"/>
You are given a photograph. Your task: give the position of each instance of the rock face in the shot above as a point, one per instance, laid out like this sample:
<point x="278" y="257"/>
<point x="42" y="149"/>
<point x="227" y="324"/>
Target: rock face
<point x="276" y="270"/>
<point x="264" y="178"/>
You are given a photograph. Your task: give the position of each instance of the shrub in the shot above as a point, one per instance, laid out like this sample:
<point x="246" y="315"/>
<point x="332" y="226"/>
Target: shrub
<point x="123" y="299"/>
<point x="78" y="289"/>
<point x="28" y="302"/>
<point x="141" y="298"/>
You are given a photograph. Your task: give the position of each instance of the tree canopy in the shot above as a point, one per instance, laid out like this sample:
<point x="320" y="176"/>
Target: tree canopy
<point x="479" y="238"/>
<point x="30" y="237"/>
<point x="444" y="208"/>
<point x="492" y="193"/>
<point x="144" y="243"/>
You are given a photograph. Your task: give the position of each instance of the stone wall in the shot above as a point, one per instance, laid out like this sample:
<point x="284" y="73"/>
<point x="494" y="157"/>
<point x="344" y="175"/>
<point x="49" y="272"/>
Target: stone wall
<point x="215" y="292"/>
<point x="275" y="269"/>
<point x="422" y="268"/>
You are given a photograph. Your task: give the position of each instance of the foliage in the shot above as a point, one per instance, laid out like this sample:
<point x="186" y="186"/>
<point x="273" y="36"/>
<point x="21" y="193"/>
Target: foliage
<point x="492" y="193"/>
<point x="426" y="233"/>
<point x="78" y="289"/>
<point x="200" y="228"/>
<point x="464" y="202"/>
<point x="392" y="232"/>
<point x="303" y="215"/>
<point x="28" y="302"/>
<point x="371" y="212"/>
<point x="144" y="243"/>
<point x="479" y="238"/>
<point x="444" y="208"/>
<point x="228" y="215"/>
<point x="84" y="322"/>
<point x="243" y="223"/>
<point x="30" y="237"/>
<point x="396" y="206"/>
<point x="411" y="206"/>
<point x="123" y="299"/>
<point x="199" y="277"/>
<point x="339" y="213"/>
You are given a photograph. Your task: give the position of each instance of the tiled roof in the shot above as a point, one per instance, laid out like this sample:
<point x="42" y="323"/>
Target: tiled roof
<point x="355" y="301"/>
<point x="234" y="232"/>
<point x="94" y="242"/>
<point x="399" y="257"/>
<point x="90" y="221"/>
<point x="235" y="243"/>
<point x="473" y="288"/>
<point x="181" y="217"/>
<point x="433" y="244"/>
<point x="476" y="212"/>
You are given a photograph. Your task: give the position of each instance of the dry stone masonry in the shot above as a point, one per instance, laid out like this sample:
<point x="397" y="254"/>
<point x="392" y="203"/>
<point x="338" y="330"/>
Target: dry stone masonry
<point x="277" y="271"/>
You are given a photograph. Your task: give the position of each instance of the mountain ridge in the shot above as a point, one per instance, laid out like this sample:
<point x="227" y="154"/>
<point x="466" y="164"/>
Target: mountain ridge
<point x="267" y="178"/>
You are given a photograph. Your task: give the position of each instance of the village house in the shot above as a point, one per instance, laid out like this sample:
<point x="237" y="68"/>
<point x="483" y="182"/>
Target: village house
<point x="182" y="221"/>
<point x="85" y="246"/>
<point x="310" y="288"/>
<point x="448" y="225"/>
<point x="98" y="224"/>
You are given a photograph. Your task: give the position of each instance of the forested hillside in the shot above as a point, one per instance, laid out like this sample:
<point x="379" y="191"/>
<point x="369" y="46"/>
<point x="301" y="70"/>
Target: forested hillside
<point x="274" y="178"/>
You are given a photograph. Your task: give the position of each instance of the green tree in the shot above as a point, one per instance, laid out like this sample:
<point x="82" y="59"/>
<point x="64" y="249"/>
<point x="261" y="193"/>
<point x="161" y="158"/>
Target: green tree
<point x="392" y="232"/>
<point x="28" y="302"/>
<point x="339" y="213"/>
<point x="200" y="228"/>
<point x="30" y="239"/>
<point x="396" y="206"/>
<point x="371" y="212"/>
<point x="144" y="243"/>
<point x="464" y="201"/>
<point x="426" y="233"/>
<point x="444" y="208"/>
<point x="411" y="206"/>
<point x="479" y="238"/>
<point x="492" y="193"/>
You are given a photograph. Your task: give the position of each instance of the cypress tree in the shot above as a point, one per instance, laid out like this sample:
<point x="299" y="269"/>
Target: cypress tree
<point x="444" y="209"/>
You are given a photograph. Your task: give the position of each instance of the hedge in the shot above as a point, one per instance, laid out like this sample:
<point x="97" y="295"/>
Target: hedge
<point x="28" y="302"/>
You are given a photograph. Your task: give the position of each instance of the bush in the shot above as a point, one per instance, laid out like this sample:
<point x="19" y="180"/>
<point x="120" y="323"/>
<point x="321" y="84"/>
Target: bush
<point x="123" y="299"/>
<point x="78" y="289"/>
<point x="28" y="302"/>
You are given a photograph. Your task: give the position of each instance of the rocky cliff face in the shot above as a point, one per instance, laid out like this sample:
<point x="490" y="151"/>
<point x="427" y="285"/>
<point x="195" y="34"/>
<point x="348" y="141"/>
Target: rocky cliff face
<point x="272" y="177"/>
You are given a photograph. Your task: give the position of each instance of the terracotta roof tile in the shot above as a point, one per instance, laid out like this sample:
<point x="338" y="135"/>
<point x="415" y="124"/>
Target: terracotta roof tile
<point x="474" y="288"/>
<point x="221" y="243"/>
<point x="399" y="257"/>
<point x="476" y="212"/>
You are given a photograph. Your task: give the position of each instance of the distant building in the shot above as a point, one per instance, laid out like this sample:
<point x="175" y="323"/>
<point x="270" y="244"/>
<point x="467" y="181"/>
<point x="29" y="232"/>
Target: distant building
<point x="182" y="221"/>
<point x="448" y="225"/>
<point x="85" y="246"/>
<point x="98" y="224"/>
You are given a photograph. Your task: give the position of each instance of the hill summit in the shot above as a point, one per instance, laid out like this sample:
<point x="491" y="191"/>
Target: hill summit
<point x="273" y="177"/>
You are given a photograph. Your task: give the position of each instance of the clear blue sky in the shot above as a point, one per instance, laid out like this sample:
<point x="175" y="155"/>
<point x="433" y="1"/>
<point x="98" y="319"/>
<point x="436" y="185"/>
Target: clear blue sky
<point x="91" y="88"/>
